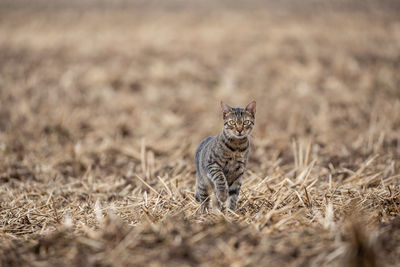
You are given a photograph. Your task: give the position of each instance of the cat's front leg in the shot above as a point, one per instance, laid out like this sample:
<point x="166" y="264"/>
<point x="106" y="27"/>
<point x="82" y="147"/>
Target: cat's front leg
<point x="217" y="176"/>
<point x="234" y="190"/>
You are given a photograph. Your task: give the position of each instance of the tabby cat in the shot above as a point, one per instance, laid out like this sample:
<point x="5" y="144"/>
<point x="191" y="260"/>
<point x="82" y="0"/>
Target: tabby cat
<point x="221" y="160"/>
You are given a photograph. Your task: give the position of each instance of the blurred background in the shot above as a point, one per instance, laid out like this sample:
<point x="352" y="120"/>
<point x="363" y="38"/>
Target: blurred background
<point x="123" y="70"/>
<point x="93" y="92"/>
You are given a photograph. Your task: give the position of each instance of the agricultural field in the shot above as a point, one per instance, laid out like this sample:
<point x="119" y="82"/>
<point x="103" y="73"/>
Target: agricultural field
<point x="102" y="106"/>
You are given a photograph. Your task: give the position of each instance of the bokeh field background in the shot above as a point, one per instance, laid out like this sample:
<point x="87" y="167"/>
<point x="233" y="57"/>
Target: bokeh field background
<point x="102" y="105"/>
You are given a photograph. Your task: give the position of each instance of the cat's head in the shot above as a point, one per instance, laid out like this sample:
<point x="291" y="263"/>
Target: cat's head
<point x="238" y="122"/>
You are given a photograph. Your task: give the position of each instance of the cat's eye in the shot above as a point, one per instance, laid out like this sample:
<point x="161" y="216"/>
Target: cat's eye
<point x="246" y="122"/>
<point x="231" y="122"/>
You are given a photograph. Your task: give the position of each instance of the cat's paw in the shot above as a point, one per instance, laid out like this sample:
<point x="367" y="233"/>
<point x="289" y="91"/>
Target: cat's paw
<point x="231" y="206"/>
<point x="204" y="208"/>
<point x="231" y="203"/>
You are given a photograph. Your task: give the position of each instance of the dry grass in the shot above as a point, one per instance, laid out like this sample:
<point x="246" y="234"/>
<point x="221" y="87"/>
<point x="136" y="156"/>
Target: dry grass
<point x="100" y="114"/>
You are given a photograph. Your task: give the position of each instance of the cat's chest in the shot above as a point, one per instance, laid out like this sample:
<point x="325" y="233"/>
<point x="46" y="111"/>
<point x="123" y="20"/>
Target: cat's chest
<point x="233" y="162"/>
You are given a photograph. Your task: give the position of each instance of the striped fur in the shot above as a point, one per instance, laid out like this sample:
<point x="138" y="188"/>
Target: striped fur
<point x="221" y="160"/>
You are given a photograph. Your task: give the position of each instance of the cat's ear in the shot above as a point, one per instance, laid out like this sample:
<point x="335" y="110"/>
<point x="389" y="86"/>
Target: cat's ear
<point x="252" y="107"/>
<point x="225" y="108"/>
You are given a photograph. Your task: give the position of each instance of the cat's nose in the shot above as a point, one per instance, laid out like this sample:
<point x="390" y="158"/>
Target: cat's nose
<point x="239" y="129"/>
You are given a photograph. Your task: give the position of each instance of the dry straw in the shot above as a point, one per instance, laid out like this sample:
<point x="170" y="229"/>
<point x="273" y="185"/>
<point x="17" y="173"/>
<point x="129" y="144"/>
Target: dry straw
<point x="100" y="114"/>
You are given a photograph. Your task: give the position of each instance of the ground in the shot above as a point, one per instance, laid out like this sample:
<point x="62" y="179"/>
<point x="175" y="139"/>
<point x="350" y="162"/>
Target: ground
<point x="103" y="105"/>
